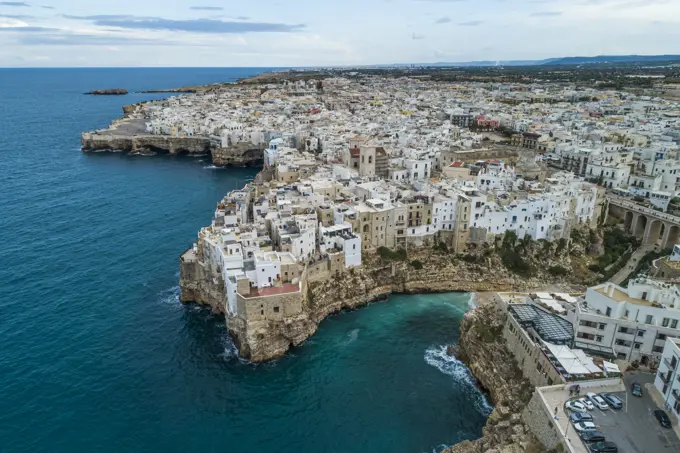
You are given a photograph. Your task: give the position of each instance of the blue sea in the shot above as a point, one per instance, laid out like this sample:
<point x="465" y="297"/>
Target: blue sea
<point x="98" y="355"/>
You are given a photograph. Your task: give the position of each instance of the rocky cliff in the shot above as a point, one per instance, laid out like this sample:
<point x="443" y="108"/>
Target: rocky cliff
<point x="483" y="349"/>
<point x="150" y="145"/>
<point x="425" y="271"/>
<point x="109" y="92"/>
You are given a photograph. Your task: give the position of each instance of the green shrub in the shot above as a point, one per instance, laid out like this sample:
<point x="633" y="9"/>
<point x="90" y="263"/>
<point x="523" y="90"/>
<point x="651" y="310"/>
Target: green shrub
<point x="514" y="262"/>
<point x="391" y="255"/>
<point x="416" y="264"/>
<point x="558" y="271"/>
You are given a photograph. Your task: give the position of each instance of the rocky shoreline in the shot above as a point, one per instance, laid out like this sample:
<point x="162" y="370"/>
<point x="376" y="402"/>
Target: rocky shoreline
<point x="483" y="350"/>
<point x="127" y="135"/>
<point x="486" y="355"/>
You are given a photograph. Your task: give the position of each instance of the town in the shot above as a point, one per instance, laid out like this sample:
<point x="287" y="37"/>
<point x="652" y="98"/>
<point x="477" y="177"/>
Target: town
<point x="365" y="167"/>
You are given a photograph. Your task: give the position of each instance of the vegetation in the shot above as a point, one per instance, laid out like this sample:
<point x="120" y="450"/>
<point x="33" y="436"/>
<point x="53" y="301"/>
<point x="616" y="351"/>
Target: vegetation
<point x="645" y="263"/>
<point x="511" y="257"/>
<point x="392" y="255"/>
<point x="616" y="244"/>
<point x="558" y="271"/>
<point x="417" y="264"/>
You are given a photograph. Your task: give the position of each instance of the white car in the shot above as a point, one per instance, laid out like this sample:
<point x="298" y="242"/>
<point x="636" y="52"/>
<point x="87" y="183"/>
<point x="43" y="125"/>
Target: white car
<point x="597" y="400"/>
<point x="585" y="426"/>
<point x="588" y="405"/>
<point x="575" y="406"/>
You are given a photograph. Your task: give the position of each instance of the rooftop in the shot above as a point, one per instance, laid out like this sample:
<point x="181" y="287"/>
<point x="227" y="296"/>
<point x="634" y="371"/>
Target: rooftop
<point x="550" y="327"/>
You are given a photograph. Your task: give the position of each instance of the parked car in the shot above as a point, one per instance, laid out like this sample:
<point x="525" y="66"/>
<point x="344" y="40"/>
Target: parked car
<point x="603" y="447"/>
<point x="586" y="403"/>
<point x="580" y="417"/>
<point x="597" y="401"/>
<point x="592" y="436"/>
<point x="636" y="389"/>
<point x="585" y="426"/>
<point x="662" y="417"/>
<point x="613" y="401"/>
<point x="575" y="406"/>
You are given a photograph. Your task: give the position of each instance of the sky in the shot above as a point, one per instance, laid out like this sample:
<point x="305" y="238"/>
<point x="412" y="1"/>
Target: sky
<point x="285" y="33"/>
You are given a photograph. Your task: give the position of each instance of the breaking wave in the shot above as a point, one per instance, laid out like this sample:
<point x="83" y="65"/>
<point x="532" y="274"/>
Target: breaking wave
<point x="437" y="357"/>
<point x="170" y="296"/>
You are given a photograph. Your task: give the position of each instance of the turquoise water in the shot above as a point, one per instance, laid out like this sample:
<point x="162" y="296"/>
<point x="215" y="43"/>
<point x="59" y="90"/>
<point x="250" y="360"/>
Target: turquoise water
<point x="98" y="355"/>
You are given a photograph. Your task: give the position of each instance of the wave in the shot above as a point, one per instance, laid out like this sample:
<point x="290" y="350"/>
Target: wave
<point x="472" y="303"/>
<point x="437" y="357"/>
<point x="170" y="296"/>
<point x="214" y="167"/>
<point x="230" y="352"/>
<point x="352" y="336"/>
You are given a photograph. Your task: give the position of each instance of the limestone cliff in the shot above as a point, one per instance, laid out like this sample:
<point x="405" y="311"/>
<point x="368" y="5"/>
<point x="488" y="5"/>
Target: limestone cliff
<point x="483" y="349"/>
<point x="149" y="145"/>
<point x="376" y="279"/>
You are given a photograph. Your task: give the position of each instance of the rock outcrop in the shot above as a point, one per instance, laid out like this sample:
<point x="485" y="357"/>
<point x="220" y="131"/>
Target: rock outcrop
<point x="147" y="145"/>
<point x="483" y="349"/>
<point x="150" y="145"/>
<point x="109" y="92"/>
<point x="375" y="280"/>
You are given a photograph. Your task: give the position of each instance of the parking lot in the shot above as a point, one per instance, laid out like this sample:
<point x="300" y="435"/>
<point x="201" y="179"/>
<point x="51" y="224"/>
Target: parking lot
<point x="634" y="428"/>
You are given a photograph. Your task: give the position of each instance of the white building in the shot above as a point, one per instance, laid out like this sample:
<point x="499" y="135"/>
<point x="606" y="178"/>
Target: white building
<point x="667" y="380"/>
<point x="630" y="323"/>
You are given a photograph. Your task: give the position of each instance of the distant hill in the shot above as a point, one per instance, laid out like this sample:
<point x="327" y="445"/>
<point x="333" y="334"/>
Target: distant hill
<point x="610" y="59"/>
<point x="600" y="59"/>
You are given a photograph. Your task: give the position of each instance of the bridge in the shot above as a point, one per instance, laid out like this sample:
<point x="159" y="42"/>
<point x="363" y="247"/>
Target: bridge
<point x="652" y="227"/>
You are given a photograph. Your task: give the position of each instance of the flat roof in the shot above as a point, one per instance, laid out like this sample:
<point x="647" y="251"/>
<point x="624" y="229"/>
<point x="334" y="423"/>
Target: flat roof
<point x="550" y="327"/>
<point x="621" y="296"/>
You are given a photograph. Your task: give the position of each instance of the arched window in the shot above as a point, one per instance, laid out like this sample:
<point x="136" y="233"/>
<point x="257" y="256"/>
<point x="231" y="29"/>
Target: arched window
<point x="370" y="159"/>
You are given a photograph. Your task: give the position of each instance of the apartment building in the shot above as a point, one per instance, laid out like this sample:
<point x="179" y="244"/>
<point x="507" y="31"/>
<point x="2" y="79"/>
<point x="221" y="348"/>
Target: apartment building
<point x="628" y="323"/>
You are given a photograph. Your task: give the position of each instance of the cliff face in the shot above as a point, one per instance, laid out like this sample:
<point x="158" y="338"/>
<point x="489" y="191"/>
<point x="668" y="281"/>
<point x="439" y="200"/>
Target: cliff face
<point x="147" y="145"/>
<point x="150" y="145"/>
<point x="374" y="280"/>
<point x="238" y="154"/>
<point x="483" y="349"/>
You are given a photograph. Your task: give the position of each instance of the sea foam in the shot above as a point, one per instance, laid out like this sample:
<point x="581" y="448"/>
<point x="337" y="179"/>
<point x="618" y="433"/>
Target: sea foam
<point x="437" y="357"/>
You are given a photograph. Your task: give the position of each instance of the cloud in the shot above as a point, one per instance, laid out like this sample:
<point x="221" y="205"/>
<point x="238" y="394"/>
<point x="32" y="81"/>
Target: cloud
<point x="28" y="29"/>
<point x="443" y="20"/>
<point x="56" y="37"/>
<point x="14" y="4"/>
<point x="47" y="7"/>
<point x="441" y="1"/>
<point x="16" y="16"/>
<point x="188" y="25"/>
<point x="471" y="23"/>
<point x="417" y="36"/>
<point x="546" y="14"/>
<point x="206" y="8"/>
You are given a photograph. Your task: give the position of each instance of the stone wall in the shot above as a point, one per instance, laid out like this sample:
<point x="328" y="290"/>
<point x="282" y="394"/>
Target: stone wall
<point x="534" y="364"/>
<point x="482" y="348"/>
<point x="540" y="421"/>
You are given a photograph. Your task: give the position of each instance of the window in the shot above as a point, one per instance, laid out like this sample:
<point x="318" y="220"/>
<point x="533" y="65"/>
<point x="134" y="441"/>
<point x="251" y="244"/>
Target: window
<point x="674" y="323"/>
<point x="276" y="309"/>
<point x="649" y="319"/>
<point x="637" y="345"/>
<point x="602" y="326"/>
<point x="641" y="333"/>
<point x="626" y="314"/>
<point x="664" y="322"/>
<point x="661" y="336"/>
<point x="598" y="338"/>
<point x="609" y="311"/>
<point x="657" y="349"/>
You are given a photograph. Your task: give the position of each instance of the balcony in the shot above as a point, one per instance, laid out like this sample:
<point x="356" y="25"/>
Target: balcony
<point x="665" y="378"/>
<point x="669" y="364"/>
<point x="625" y="332"/>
